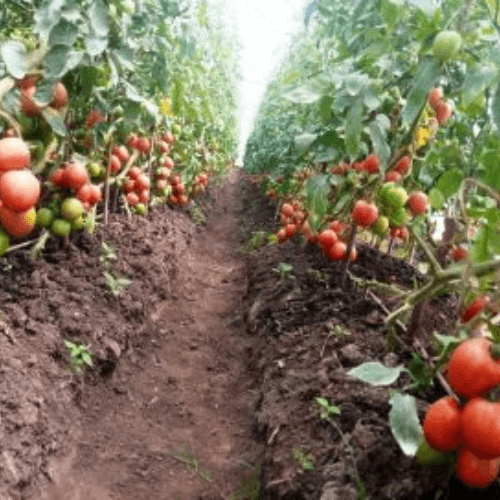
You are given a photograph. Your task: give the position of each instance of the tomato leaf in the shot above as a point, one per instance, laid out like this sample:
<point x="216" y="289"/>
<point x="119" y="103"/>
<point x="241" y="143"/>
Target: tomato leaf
<point x="15" y="58"/>
<point x="353" y="126"/>
<point x="449" y="183"/>
<point x="405" y="425"/>
<point x="428" y="72"/>
<point x="317" y="189"/>
<point x="302" y="95"/>
<point x="376" y="373"/>
<point x="436" y="198"/>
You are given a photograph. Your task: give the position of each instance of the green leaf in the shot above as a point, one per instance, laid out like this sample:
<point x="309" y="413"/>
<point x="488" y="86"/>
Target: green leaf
<point x="353" y="126"/>
<point x="496" y="107"/>
<point x="63" y="33"/>
<point x="427" y="74"/>
<point x="303" y="141"/>
<point x="325" y="108"/>
<point x="391" y="11"/>
<point x="449" y="183"/>
<point x="55" y="61"/>
<point x="316" y="190"/>
<point x="96" y="45"/>
<point x="376" y="373"/>
<point x="15" y="58"/>
<point x="436" y="199"/>
<point x="428" y="7"/>
<point x="480" y="249"/>
<point x="477" y="79"/>
<point x="43" y="93"/>
<point x="55" y="121"/>
<point x="302" y="95"/>
<point x="99" y="20"/>
<point x="491" y="162"/>
<point x="378" y="134"/>
<point x="404" y="422"/>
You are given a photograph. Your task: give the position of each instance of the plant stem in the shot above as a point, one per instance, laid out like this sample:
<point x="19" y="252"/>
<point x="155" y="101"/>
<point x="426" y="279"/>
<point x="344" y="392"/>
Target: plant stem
<point x="436" y="267"/>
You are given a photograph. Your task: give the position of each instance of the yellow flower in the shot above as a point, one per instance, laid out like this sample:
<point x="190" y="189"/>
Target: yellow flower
<point x="423" y="136"/>
<point x="166" y="106"/>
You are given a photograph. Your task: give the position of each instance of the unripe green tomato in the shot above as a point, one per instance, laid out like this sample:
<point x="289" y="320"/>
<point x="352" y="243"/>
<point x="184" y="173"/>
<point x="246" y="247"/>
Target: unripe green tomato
<point x="4" y="242"/>
<point x="71" y="208"/>
<point x="397" y="197"/>
<point x="428" y="456"/>
<point x="446" y="45"/>
<point x="400" y="217"/>
<point x="78" y="224"/>
<point x="140" y="209"/>
<point x="61" y="227"/>
<point x="381" y="226"/>
<point x="44" y="217"/>
<point x="95" y="170"/>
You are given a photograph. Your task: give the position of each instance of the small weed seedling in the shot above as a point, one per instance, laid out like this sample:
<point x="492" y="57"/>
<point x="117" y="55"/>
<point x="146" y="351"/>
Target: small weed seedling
<point x="186" y="455"/>
<point x="319" y="275"/>
<point x="327" y="411"/>
<point x="255" y="241"/>
<point x="304" y="459"/>
<point x="79" y="356"/>
<point x="116" y="284"/>
<point x="284" y="270"/>
<point x="197" y="215"/>
<point x="249" y="488"/>
<point x="108" y="253"/>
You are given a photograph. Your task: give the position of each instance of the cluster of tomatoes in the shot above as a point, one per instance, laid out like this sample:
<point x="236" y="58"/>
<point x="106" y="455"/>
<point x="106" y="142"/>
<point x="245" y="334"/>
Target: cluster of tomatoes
<point x="442" y="109"/>
<point x="471" y="425"/>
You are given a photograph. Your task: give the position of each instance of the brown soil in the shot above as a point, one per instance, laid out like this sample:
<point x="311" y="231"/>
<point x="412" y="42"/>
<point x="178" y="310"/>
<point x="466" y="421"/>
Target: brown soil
<point x="206" y="351"/>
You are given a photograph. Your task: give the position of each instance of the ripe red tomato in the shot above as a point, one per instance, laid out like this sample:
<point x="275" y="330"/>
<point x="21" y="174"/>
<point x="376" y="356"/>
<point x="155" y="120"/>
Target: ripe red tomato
<point x="480" y="422"/>
<point x="163" y="147"/>
<point x="392" y="176"/>
<point x="475" y="308"/>
<point x="371" y="164"/>
<point x="14" y="154"/>
<point x="338" y="251"/>
<point x="18" y="224"/>
<point x="75" y="176"/>
<point x="286" y="210"/>
<point x="59" y="96"/>
<point x="471" y="370"/>
<point x="417" y="203"/>
<point x="142" y="182"/>
<point x="290" y="230"/>
<point x="474" y="471"/>
<point x="93" y="117"/>
<point x="144" y="196"/>
<point x="327" y="239"/>
<point x="364" y="214"/>
<point x="442" y="425"/>
<point x="132" y="199"/>
<point x="281" y="235"/>
<point x="84" y="194"/>
<point x="122" y="153"/>
<point x="132" y="141"/>
<point x="459" y="253"/>
<point x="443" y="112"/>
<point x="403" y="165"/>
<point x="336" y="226"/>
<point x="19" y="189"/>
<point x="435" y="97"/>
<point x="115" y="164"/>
<point x="169" y="163"/>
<point x="134" y="173"/>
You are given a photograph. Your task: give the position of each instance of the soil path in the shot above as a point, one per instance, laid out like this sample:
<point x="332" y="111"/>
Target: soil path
<point x="187" y="389"/>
